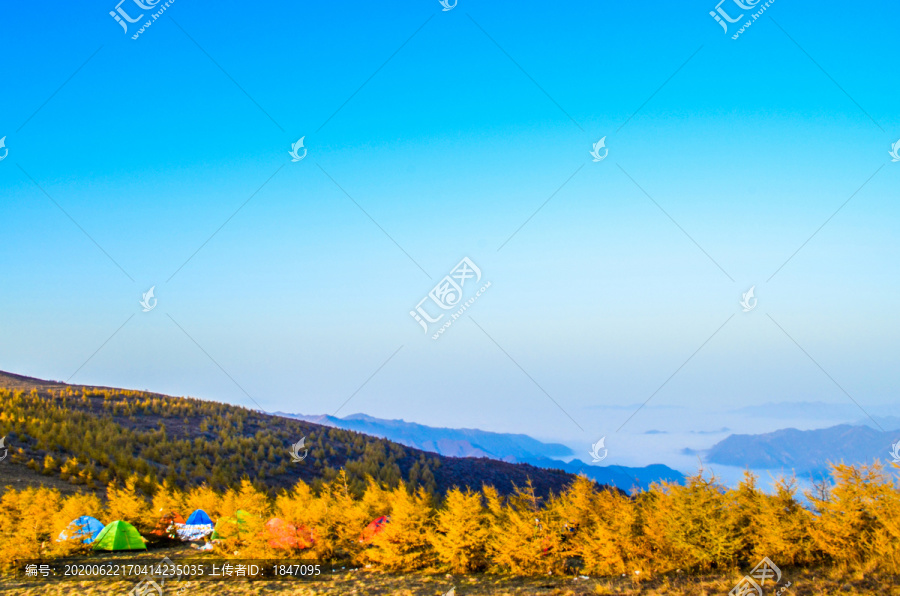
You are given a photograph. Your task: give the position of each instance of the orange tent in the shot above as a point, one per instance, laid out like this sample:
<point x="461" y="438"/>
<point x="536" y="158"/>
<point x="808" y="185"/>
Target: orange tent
<point x="284" y="535"/>
<point x="166" y="524"/>
<point x="281" y="534"/>
<point x="375" y="527"/>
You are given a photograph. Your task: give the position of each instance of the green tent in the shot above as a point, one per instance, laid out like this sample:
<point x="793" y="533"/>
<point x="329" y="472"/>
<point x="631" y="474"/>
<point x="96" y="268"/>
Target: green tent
<point x="231" y="526"/>
<point x="119" y="535"/>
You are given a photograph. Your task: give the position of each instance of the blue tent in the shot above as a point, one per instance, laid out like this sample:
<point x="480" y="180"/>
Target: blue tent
<point x="198" y="518"/>
<point x="85" y="527"/>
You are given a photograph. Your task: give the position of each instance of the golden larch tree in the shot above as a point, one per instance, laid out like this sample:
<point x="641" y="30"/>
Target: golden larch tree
<point x="461" y="530"/>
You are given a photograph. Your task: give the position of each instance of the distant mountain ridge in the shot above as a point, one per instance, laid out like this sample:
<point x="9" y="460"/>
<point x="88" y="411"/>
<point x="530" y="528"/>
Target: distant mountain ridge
<point x="512" y="448"/>
<point x="623" y="477"/>
<point x="805" y="451"/>
<point x="453" y="442"/>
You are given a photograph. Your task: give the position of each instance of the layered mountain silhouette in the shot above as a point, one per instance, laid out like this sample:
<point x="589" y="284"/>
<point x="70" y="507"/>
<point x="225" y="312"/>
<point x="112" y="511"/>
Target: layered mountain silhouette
<point x="453" y="442"/>
<point x="807" y="451"/>
<point x="513" y="448"/>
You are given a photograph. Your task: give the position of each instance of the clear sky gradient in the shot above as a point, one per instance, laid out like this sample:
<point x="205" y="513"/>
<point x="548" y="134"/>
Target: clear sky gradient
<point x="432" y="136"/>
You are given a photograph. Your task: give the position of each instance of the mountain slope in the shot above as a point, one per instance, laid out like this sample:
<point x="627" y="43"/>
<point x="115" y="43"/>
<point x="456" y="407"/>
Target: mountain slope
<point x="91" y="435"/>
<point x="805" y="451"/>
<point x="500" y="446"/>
<point x="455" y="442"/>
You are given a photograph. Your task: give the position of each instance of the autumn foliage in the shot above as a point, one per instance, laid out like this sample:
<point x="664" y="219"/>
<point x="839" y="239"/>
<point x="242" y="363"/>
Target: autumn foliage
<point x="699" y="526"/>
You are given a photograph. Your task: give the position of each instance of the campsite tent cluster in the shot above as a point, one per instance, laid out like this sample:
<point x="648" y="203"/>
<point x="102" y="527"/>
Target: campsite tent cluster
<point x="117" y="535"/>
<point x="120" y="535"/>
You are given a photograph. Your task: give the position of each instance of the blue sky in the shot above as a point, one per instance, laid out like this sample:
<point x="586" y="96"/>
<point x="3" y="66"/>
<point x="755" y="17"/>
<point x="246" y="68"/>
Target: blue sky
<point x="432" y="136"/>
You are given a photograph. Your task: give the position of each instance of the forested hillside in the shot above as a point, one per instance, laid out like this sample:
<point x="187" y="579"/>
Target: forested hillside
<point x="92" y="435"/>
